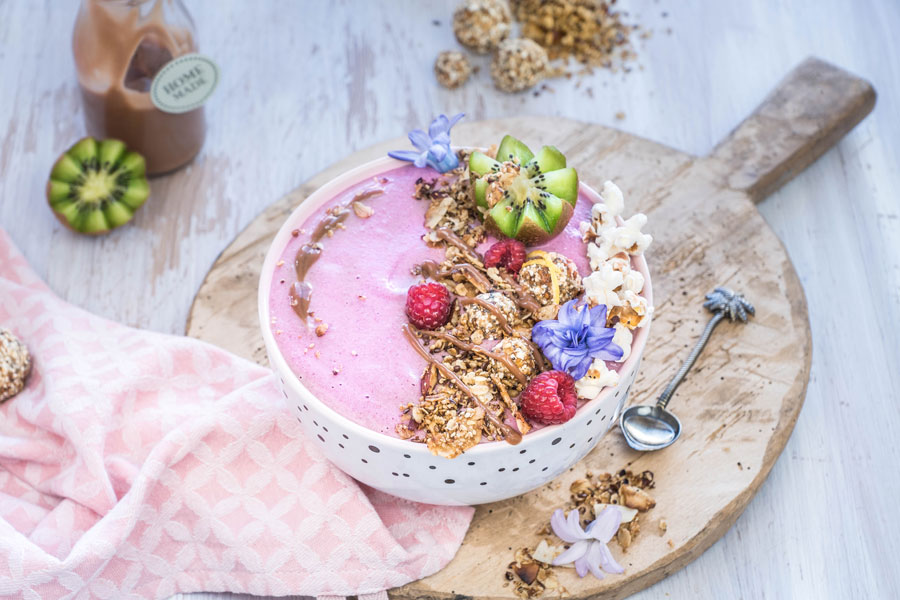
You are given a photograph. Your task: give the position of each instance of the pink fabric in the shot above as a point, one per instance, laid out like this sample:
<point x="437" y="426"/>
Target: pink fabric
<point x="137" y="464"/>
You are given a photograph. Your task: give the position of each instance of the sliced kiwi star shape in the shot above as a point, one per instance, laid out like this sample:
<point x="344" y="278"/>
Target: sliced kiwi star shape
<point x="97" y="186"/>
<point x="522" y="195"/>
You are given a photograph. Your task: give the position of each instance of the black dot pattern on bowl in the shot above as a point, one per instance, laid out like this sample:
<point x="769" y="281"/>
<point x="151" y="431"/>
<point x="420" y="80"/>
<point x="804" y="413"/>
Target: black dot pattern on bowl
<point x="449" y="481"/>
<point x="556" y="441"/>
<point x="544" y="469"/>
<point x="501" y="469"/>
<point x="299" y="420"/>
<point x="571" y="446"/>
<point x="407" y="456"/>
<point x="320" y="438"/>
<point x="471" y="463"/>
<point x="374" y="449"/>
<point x="364" y="460"/>
<point x="341" y="445"/>
<point x="589" y="422"/>
<point x="590" y="439"/>
<point x="395" y="474"/>
<point x="531" y="462"/>
<point x="522" y="451"/>
<point x="515" y="469"/>
<point x="315" y="423"/>
<point x="598" y="410"/>
<point x="305" y="407"/>
<point x="484" y="483"/>
<point x="406" y="474"/>
<point x="432" y="467"/>
<point x="344" y="435"/>
<point x="325" y="429"/>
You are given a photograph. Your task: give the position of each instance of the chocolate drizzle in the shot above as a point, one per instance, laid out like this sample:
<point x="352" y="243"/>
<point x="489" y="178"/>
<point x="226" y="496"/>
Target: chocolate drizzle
<point x="466" y="346"/>
<point x="510" y="434"/>
<point x="309" y="253"/>
<point x="432" y="270"/>
<point x="457" y="242"/>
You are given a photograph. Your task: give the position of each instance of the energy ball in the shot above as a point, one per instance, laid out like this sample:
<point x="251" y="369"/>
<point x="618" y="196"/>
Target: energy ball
<point x="482" y="323"/>
<point x="518" y="352"/>
<point x="15" y="365"/>
<point x="518" y="65"/>
<point x="452" y="69"/>
<point x="480" y="25"/>
<point x="550" y="277"/>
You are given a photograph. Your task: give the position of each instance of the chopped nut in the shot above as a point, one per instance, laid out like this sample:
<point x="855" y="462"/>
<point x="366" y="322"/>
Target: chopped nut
<point x="527" y="572"/>
<point x="624" y="538"/>
<point x="635" y="497"/>
<point x="321" y="329"/>
<point x="361" y="210"/>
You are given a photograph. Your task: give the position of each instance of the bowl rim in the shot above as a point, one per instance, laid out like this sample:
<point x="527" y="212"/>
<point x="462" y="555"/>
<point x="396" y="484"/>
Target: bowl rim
<point x="306" y="208"/>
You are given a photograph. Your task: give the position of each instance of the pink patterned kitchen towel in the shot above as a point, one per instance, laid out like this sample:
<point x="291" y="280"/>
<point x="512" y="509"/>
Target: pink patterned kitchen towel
<point x="139" y="465"/>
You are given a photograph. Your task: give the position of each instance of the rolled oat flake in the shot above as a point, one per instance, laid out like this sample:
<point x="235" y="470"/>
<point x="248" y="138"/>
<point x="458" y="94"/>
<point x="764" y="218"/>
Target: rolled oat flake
<point x="15" y="365"/>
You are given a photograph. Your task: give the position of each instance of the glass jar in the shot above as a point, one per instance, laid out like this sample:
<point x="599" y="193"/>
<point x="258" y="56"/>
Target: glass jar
<point x="119" y="46"/>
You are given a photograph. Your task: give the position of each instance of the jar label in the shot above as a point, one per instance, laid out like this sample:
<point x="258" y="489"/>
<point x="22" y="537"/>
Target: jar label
<point x="184" y="83"/>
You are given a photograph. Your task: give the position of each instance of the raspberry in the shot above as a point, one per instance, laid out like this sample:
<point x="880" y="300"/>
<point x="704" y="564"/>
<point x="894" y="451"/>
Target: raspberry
<point x="506" y="253"/>
<point x="428" y="305"/>
<point x="549" y="398"/>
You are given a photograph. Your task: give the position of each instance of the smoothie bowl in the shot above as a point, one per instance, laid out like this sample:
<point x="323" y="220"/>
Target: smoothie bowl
<point x="432" y="357"/>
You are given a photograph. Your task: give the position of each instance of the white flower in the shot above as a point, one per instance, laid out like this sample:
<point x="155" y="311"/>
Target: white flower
<point x="589" y="550"/>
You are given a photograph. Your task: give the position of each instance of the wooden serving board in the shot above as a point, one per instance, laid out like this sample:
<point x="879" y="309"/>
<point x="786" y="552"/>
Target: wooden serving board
<point x="739" y="405"/>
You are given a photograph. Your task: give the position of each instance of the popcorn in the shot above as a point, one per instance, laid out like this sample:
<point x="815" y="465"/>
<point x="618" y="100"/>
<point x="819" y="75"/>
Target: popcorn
<point x="623" y="338"/>
<point x="598" y="377"/>
<point x="613" y="199"/>
<point x="601" y="285"/>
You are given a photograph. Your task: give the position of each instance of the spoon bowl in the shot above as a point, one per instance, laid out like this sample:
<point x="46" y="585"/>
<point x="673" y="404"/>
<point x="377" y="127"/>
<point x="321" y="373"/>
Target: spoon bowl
<point x="649" y="427"/>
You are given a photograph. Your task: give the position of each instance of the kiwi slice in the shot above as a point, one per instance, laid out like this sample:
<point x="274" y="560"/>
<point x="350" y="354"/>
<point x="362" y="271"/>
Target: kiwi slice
<point x="97" y="186"/>
<point x="526" y="196"/>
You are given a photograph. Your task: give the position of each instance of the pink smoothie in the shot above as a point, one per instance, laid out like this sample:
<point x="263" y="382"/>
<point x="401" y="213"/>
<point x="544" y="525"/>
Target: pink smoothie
<point x="362" y="367"/>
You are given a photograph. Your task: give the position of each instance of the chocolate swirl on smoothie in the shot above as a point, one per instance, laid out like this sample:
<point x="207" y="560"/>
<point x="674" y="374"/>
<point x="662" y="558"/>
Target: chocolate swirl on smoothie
<point x="311" y="251"/>
<point x="510" y="434"/>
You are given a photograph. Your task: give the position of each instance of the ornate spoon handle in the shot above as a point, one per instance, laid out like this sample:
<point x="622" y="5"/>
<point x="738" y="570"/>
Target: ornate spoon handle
<point x="722" y="302"/>
<point x="689" y="361"/>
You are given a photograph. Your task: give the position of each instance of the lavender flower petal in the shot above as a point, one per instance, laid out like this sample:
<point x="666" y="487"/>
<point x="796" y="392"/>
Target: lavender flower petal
<point x="607" y="562"/>
<point x="573" y="553"/>
<point x="420" y="139"/>
<point x="409" y="155"/>
<point x="605" y="525"/>
<point x="581" y="566"/>
<point x="564" y="530"/>
<point x="593" y="559"/>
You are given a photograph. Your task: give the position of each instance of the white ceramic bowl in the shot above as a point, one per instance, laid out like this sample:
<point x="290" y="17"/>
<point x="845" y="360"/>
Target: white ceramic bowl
<point x="489" y="472"/>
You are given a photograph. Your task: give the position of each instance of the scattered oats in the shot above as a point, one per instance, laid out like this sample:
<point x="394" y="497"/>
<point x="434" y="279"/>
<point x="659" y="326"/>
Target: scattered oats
<point x="279" y="263"/>
<point x="311" y="345"/>
<point x="518" y="65"/>
<point x="452" y="69"/>
<point x="321" y="329"/>
<point x="670" y="543"/>
<point x="278" y="332"/>
<point x="354" y="353"/>
<point x="15" y="365"/>
<point x="480" y="25"/>
<point x="318" y="354"/>
<point x="663" y="526"/>
<point x="620" y="115"/>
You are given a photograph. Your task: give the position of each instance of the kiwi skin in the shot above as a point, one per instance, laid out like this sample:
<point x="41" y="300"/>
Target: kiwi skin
<point x="116" y="186"/>
<point x="530" y="233"/>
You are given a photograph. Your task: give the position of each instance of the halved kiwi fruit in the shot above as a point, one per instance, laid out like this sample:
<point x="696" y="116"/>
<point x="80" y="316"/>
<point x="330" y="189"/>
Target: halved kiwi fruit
<point x="97" y="186"/>
<point x="526" y="196"/>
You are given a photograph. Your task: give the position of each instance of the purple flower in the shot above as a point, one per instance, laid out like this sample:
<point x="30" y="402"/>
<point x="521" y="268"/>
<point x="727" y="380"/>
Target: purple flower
<point x="433" y="147"/>
<point x="588" y="550"/>
<point x="576" y="338"/>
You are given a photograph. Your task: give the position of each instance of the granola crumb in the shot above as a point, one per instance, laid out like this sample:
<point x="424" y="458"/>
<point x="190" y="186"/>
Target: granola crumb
<point x="279" y="263"/>
<point x="321" y="329"/>
<point x="670" y="543"/>
<point x="663" y="525"/>
<point x="620" y="115"/>
<point x="318" y="354"/>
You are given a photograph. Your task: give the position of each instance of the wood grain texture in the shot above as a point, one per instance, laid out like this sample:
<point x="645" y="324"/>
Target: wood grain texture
<point x="307" y="83"/>
<point x="737" y="414"/>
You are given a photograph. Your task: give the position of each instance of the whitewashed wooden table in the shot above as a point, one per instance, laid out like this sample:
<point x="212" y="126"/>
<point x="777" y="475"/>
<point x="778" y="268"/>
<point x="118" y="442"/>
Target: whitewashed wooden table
<point x="306" y="83"/>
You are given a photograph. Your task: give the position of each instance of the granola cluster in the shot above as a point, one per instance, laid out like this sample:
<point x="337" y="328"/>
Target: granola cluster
<point x="15" y="365"/>
<point x="519" y="64"/>
<point x="532" y="572"/>
<point x="452" y="69"/>
<point x="590" y="31"/>
<point x="480" y="25"/>
<point x="551" y="278"/>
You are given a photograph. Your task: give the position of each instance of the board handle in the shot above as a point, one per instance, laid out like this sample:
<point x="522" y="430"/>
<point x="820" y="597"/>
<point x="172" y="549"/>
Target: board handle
<point x="810" y="111"/>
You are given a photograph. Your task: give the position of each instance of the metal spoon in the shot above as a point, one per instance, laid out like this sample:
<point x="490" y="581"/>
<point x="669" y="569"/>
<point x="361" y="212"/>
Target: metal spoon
<point x="653" y="427"/>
